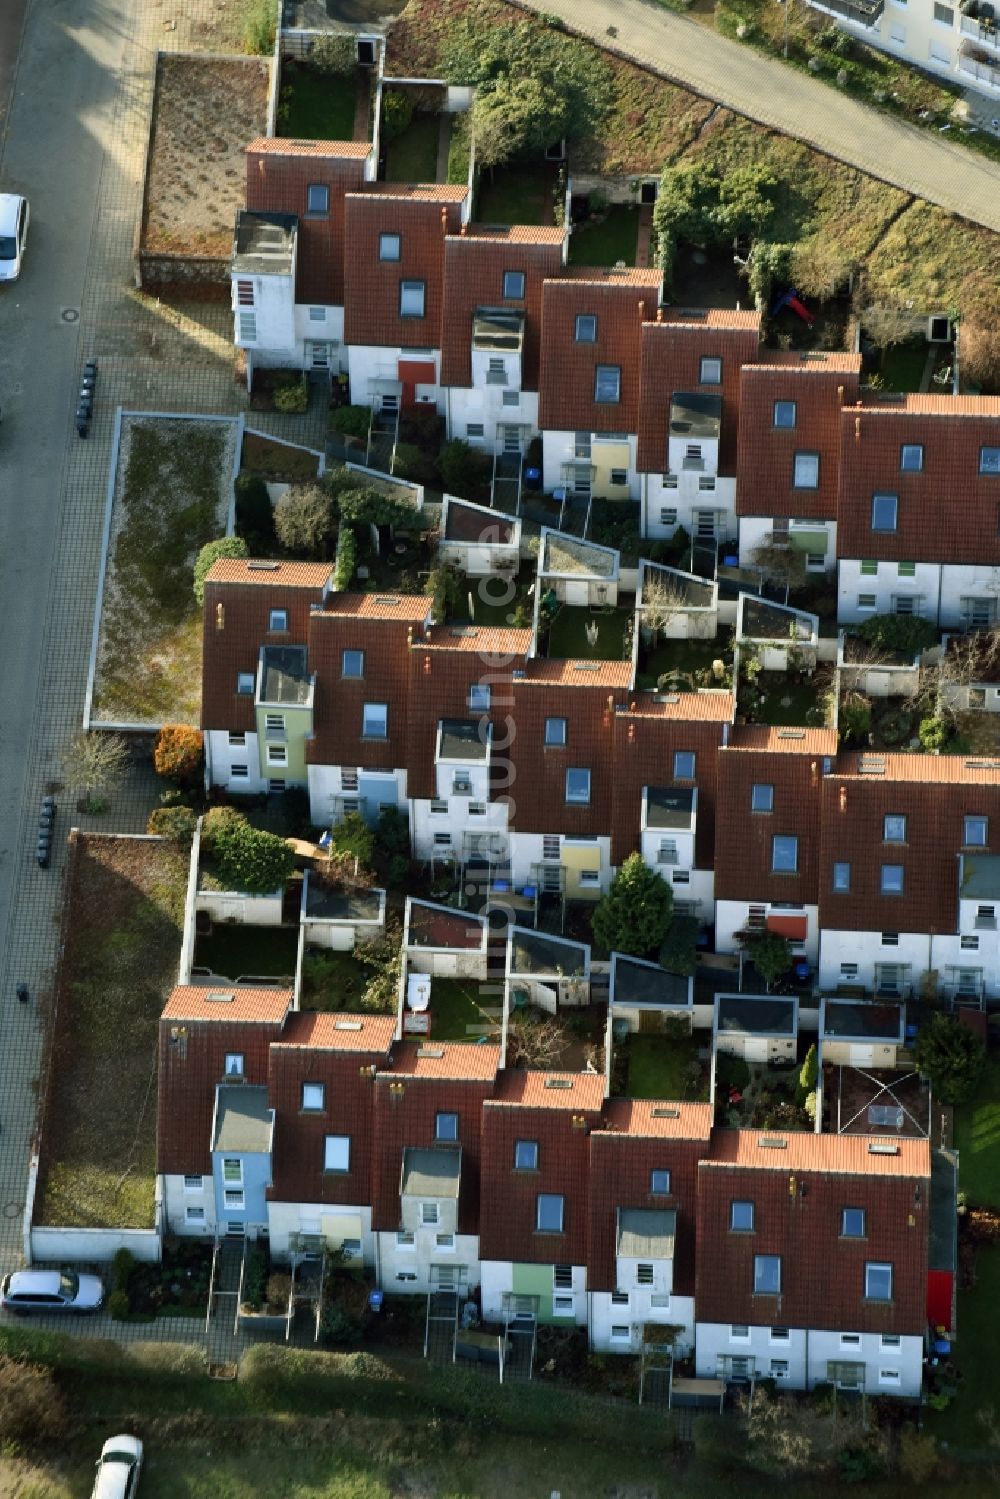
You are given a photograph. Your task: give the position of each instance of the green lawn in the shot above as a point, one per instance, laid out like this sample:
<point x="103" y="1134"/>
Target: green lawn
<point x="455" y="1009"/>
<point x="412" y="156"/>
<point x="262" y="456"/>
<point x="662" y="1067"/>
<point x="333" y="980"/>
<point x="903" y="364"/>
<point x="613" y="239"/>
<point x="977" y="1138"/>
<point x="568" y="634"/>
<point x="234" y="949"/>
<point x="791" y="703"/>
<point x="975" y="1358"/>
<point x="317" y="106"/>
<point x="517" y="194"/>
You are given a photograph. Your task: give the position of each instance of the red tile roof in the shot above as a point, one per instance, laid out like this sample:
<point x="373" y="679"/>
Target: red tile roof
<point x="509" y="1198"/>
<point x="649" y="1119"/>
<point x="458" y="1061"/>
<point x="575" y="1091"/>
<point x="422" y="218"/>
<point x="440" y="675"/>
<point x="408" y="606"/>
<point x="819" y="385"/>
<point x="620" y="1177"/>
<point x="311" y="575"/>
<point x="341" y="1031"/>
<point x="491" y="643"/>
<point x="708" y="706"/>
<point x="672" y="351"/>
<point x="192" y="1055"/>
<point x="279" y="175"/>
<point x="799" y="1194"/>
<point x="779" y="741"/>
<point x="312" y="1054"/>
<point x="841" y="1155"/>
<point x="537" y="799"/>
<point x="797" y="781"/>
<point x="643" y="750"/>
<point x="339" y="701"/>
<point x="622" y="303"/>
<point x="188" y="1002"/>
<point x="854" y="807"/>
<point x="474" y="266"/>
<point x="268" y="145"/>
<point x="246" y="599"/>
<point x="948" y="512"/>
<point x="578" y="673"/>
<point x="407" y="1119"/>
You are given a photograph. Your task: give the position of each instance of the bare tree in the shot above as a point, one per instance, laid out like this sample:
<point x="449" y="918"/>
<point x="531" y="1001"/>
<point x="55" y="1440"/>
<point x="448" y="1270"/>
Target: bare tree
<point x="534" y="1043"/>
<point x="968" y="660"/>
<point x="781" y="564"/>
<point x="887" y="324"/>
<point x="664" y="596"/>
<point x="93" y="764"/>
<point x="979" y="348"/>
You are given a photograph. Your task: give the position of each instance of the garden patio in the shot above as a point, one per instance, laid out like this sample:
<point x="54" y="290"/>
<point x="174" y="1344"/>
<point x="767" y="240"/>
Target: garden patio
<point x="578" y="633"/>
<point x="661" y="1066"/>
<point x="684" y="665"/>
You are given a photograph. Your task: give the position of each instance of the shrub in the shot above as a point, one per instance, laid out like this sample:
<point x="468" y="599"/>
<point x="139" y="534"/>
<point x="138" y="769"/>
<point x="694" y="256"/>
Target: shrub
<point x="952" y="1055"/>
<point x="121" y="1268"/>
<point x="397" y="112"/>
<point x="371" y="507"/>
<point x="771" y="956"/>
<point x="392" y="834"/>
<point x="855" y="718"/>
<point x="176" y="823"/>
<point x="254" y="514"/>
<point x="917" y="1455"/>
<point x="178" y="752"/>
<point x="295" y="814"/>
<point x="32" y="1408"/>
<point x="223" y="546"/>
<point x="906" y="633"/>
<point x="259" y="22"/>
<point x="305" y="521"/>
<point x="444" y="585"/>
<point x="414" y="465"/>
<point x="118" y="1305"/>
<point x="346" y="559"/>
<point x="352" y="421"/>
<point x="292" y="398"/>
<point x="279" y="1288"/>
<point x="334" y="53"/>
<point x="678" y="950"/>
<point x="398" y="872"/>
<point x="354" y="838"/>
<point x="341" y="1326"/>
<point x="463" y="468"/>
<point x="634" y="915"/>
<point x="255" y="1279"/>
<point x="154" y="1360"/>
<point x="246" y="858"/>
<point x="934" y="734"/>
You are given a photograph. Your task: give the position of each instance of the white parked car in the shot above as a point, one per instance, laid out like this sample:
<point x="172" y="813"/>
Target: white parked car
<point x="15" y="216"/>
<point x="118" y="1468"/>
<point x="25" y="1291"/>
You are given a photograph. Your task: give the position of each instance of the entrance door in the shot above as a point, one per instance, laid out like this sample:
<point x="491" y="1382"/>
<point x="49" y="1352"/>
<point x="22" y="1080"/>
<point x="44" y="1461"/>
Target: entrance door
<point x="511" y="439"/>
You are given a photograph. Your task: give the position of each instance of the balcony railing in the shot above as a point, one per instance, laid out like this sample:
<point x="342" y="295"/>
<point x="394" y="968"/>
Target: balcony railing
<point x="861" y="12"/>
<point x="496" y="377"/>
<point x="667" y="856"/>
<point x="981" y="71"/>
<point x="981" y="30"/>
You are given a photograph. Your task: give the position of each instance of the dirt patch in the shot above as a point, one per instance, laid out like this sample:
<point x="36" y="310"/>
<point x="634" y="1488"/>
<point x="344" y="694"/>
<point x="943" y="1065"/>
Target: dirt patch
<point x="204" y="115"/>
<point x="124" y="915"/>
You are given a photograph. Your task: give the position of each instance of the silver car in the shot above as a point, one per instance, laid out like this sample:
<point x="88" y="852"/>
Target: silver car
<point x="26" y="1291"/>
<point x="15" y="216"/>
<point x="118" y="1468"/>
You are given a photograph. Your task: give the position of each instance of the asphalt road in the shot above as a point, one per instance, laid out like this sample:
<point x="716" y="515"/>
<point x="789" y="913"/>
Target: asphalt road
<point x="63" y="82"/>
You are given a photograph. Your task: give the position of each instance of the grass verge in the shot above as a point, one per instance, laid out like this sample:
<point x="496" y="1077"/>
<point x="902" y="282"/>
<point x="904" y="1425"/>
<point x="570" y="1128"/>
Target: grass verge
<point x="613" y="239"/>
<point x="412" y="156"/>
<point x="664" y="1067"/>
<point x="125" y="914"/>
<point x="172" y="495"/>
<point x="315" y="106"/>
<point x="977" y="1138"/>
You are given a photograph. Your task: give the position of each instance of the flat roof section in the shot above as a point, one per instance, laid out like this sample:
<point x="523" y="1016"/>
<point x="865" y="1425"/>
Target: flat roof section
<point x="242" y="1120"/>
<point x="461" y="739"/>
<point x="431" y="1173"/>
<point x="695" y="414"/>
<point x="646" y="1233"/>
<point x="669" y="806"/>
<point x="637" y="983"/>
<point x="285" y="676"/>
<point x="850" y="1019"/>
<point x="756" y="1015"/>
<point x="265" y="243"/>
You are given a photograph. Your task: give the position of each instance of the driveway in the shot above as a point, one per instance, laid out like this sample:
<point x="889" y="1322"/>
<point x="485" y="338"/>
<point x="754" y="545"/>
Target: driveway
<point x="779" y="96"/>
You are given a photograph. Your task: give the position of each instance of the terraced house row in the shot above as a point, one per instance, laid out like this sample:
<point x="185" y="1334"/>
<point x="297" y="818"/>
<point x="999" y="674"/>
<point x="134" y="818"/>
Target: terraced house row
<point x="681" y="410"/>
<point x="531" y="772"/>
<point x="805" y="1257"/>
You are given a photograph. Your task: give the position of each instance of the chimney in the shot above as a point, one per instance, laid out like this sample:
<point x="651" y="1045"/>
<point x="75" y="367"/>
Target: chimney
<point x="840" y="395"/>
<point x="659" y="314"/>
<point x="642" y="310"/>
<point x="464" y="229"/>
<point x="611" y="703"/>
<point x="857" y="429"/>
<point x="444" y="220"/>
<point x="843" y="798"/>
<point x="814" y="771"/>
<point x="631" y="733"/>
<point x="409" y="634"/>
<point x="427" y="666"/>
<point x="220" y="617"/>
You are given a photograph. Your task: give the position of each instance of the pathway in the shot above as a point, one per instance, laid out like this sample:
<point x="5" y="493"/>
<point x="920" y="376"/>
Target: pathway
<point x="780" y="97"/>
<point x="76" y="138"/>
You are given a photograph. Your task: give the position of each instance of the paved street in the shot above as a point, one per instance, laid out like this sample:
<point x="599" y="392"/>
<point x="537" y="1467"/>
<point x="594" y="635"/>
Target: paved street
<point x="767" y="90"/>
<point x="74" y="144"/>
